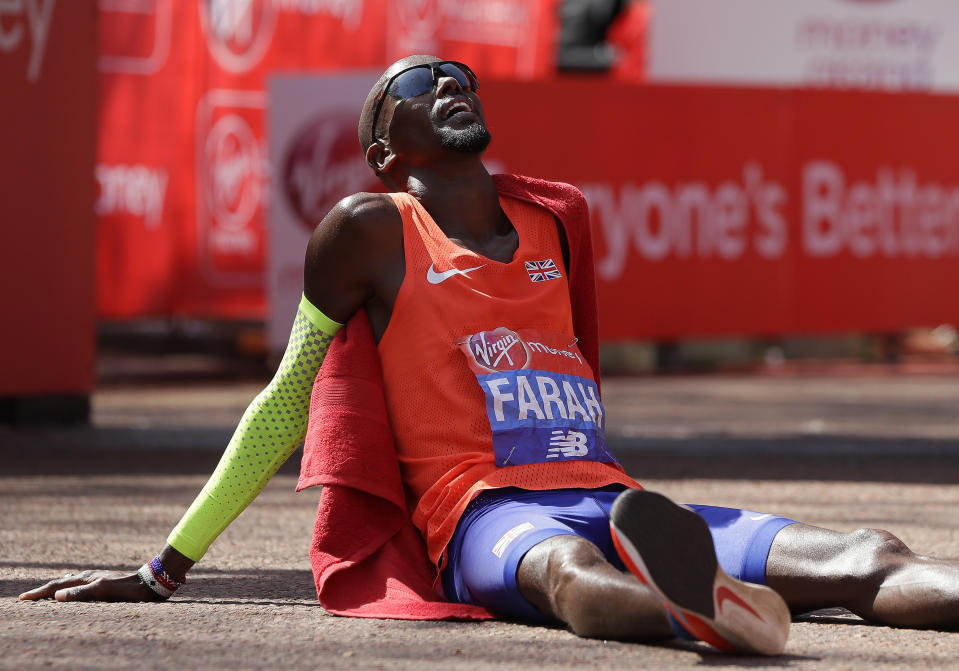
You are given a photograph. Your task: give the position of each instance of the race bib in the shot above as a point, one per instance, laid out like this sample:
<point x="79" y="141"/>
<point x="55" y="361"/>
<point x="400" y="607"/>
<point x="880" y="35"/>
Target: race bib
<point x="541" y="399"/>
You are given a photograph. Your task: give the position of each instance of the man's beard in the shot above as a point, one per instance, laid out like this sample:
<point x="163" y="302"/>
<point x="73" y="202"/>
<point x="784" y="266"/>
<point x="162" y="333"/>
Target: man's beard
<point x="470" y="140"/>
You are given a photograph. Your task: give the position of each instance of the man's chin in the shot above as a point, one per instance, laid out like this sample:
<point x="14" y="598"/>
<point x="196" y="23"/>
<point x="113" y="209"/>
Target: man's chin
<point x="474" y="139"/>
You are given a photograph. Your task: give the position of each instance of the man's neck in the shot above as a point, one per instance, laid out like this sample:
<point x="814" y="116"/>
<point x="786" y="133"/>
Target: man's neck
<point x="461" y="198"/>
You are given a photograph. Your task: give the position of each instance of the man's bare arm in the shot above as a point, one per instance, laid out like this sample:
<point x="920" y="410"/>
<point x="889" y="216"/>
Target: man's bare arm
<point x="340" y="274"/>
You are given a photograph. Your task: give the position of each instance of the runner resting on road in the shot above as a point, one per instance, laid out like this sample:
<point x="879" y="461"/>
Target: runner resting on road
<point x="508" y="455"/>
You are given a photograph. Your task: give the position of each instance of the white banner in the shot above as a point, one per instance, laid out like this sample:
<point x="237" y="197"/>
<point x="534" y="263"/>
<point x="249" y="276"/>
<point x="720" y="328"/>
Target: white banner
<point x="891" y="45"/>
<point x="315" y="161"/>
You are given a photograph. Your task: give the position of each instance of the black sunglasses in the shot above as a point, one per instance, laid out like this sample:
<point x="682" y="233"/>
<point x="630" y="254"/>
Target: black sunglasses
<point x="419" y="79"/>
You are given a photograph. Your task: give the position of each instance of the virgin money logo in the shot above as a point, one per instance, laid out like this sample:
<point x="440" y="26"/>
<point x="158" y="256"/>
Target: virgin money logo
<point x="323" y="165"/>
<point x="238" y="32"/>
<point x="499" y="350"/>
<point x="235" y="173"/>
<point x="420" y="18"/>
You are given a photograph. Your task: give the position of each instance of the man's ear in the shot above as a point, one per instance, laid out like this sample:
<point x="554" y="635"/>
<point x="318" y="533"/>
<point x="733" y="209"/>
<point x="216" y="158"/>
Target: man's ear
<point x="380" y="156"/>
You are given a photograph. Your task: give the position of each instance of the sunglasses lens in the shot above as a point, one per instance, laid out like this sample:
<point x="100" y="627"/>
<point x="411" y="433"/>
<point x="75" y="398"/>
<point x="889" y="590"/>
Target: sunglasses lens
<point x="464" y="79"/>
<point x="412" y="83"/>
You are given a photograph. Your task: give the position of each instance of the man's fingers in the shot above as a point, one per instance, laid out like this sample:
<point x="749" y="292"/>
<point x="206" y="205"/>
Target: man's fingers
<point x="108" y="589"/>
<point x="93" y="586"/>
<point x="82" y="592"/>
<point x="49" y="589"/>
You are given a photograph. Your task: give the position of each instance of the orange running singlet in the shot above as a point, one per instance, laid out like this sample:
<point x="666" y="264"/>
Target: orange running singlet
<point x="484" y="384"/>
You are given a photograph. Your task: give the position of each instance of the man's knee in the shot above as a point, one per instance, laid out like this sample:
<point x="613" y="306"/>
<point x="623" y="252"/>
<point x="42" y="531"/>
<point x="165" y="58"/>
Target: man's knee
<point x="880" y="541"/>
<point x="874" y="554"/>
<point x="567" y="567"/>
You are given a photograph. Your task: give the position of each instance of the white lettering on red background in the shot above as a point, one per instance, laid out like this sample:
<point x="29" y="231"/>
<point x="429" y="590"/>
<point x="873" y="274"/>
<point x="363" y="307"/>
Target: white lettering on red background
<point x="23" y="22"/>
<point x="892" y="216"/>
<point x="134" y="190"/>
<point x="494" y="22"/>
<point x="690" y="219"/>
<point x="503" y="22"/>
<point x="350" y="12"/>
<point x="240" y="32"/>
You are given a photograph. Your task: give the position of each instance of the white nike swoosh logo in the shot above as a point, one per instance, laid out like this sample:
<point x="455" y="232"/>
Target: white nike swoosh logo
<point x="434" y="277"/>
<point x="756" y="518"/>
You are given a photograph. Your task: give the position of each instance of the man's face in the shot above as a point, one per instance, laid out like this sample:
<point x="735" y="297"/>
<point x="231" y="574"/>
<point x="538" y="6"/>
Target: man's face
<point x="449" y="116"/>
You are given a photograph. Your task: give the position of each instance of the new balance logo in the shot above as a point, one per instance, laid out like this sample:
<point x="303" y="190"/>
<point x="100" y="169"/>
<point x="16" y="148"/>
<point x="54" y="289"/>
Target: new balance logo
<point x="434" y="277"/>
<point x="540" y="271"/>
<point x="567" y="445"/>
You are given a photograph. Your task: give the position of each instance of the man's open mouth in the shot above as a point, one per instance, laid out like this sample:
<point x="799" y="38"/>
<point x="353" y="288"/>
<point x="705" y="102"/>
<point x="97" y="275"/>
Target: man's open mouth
<point x="457" y="107"/>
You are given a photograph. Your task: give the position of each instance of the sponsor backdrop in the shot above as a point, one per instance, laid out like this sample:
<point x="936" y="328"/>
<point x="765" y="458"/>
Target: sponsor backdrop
<point x="895" y="45"/>
<point x="715" y="211"/>
<point x="183" y="174"/>
<point x="48" y="79"/>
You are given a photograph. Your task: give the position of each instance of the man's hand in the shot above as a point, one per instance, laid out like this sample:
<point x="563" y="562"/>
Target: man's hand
<point x="94" y="586"/>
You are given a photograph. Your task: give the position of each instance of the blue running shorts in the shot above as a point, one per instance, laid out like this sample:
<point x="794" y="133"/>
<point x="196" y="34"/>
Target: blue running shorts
<point x="500" y="526"/>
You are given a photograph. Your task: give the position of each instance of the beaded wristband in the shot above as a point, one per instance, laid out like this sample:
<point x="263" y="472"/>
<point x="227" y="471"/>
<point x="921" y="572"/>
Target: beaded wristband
<point x="153" y="575"/>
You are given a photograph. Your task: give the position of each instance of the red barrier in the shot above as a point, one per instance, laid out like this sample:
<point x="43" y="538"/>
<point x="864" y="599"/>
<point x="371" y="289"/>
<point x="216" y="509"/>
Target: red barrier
<point x="47" y="66"/>
<point x="734" y="211"/>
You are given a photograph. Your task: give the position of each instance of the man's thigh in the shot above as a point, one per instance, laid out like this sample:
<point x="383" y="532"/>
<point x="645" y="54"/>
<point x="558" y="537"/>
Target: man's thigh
<point x="495" y="534"/>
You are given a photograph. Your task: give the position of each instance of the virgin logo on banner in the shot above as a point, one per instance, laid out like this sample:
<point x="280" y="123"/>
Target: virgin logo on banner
<point x="316" y="161"/>
<point x="231" y="173"/>
<point x="238" y="32"/>
<point x="323" y="164"/>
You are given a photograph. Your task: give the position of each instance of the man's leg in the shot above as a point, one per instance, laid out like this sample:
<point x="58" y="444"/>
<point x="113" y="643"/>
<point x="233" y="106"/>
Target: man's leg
<point x="669" y="548"/>
<point x="568" y="579"/>
<point x="549" y="556"/>
<point x="870" y="572"/>
<point x="542" y="557"/>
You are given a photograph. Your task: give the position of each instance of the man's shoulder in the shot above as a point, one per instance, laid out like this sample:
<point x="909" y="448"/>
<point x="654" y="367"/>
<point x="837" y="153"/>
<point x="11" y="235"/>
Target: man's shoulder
<point x="367" y="207"/>
<point x="360" y="216"/>
<point x="358" y="224"/>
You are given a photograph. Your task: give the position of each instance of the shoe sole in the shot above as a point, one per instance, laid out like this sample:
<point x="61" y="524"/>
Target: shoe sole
<point x="670" y="549"/>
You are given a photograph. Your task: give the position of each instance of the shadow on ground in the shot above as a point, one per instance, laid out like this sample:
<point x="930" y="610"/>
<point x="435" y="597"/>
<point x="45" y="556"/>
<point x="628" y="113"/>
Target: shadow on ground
<point x="821" y="458"/>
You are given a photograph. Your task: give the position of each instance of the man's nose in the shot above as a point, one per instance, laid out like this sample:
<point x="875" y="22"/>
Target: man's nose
<point x="447" y="85"/>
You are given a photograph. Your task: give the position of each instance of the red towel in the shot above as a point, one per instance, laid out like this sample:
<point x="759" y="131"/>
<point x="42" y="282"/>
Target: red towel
<point x="368" y="558"/>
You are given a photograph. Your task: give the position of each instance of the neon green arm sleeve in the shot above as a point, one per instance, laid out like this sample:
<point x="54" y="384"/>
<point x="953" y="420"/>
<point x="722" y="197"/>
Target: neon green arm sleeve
<point x="270" y="430"/>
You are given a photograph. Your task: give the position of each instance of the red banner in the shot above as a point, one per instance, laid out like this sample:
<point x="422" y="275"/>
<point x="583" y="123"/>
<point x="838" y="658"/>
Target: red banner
<point x="182" y="169"/>
<point x="48" y="70"/>
<point x="716" y="211"/>
<point x="736" y="211"/>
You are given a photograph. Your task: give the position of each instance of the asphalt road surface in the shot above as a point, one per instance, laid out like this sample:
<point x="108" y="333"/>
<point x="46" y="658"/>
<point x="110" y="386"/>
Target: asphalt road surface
<point x="841" y="451"/>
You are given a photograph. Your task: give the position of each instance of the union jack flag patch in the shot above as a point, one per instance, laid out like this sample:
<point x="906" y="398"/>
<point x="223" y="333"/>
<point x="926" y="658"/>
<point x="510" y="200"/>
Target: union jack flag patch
<point x="540" y="271"/>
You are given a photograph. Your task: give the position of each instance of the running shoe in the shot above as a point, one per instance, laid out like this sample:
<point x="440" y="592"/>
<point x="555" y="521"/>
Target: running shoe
<point x="670" y="549"/>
